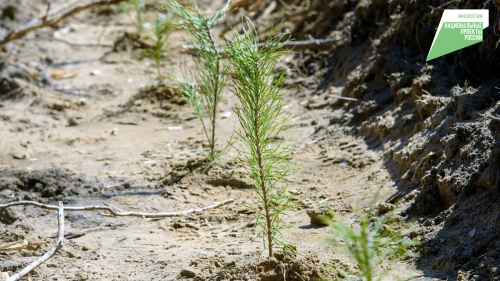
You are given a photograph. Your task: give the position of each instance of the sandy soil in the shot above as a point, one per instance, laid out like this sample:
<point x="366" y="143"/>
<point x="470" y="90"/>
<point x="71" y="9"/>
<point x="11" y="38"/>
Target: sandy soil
<point x="109" y="138"/>
<point x="126" y="157"/>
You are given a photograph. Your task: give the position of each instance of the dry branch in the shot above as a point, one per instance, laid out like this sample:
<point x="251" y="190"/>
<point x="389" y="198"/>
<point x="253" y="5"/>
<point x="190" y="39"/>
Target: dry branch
<point x="295" y="45"/>
<point x="16" y="245"/>
<point x="243" y="4"/>
<point x="230" y="26"/>
<point x="115" y="212"/>
<point x="103" y="45"/>
<point x="494" y="117"/>
<point x="52" y="18"/>
<point x="342" y="97"/>
<point x="256" y="5"/>
<point x="239" y="4"/>
<point x="50" y="253"/>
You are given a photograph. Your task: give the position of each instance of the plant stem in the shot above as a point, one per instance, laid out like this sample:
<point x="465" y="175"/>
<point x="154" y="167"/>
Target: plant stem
<point x="257" y="88"/>
<point x="365" y="245"/>
<point x="212" y="140"/>
<point x="266" y="203"/>
<point x="259" y="151"/>
<point x="216" y="97"/>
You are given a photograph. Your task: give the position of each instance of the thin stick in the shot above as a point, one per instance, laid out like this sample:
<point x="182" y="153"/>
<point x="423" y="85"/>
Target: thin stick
<point x="51" y="252"/>
<point x="255" y="5"/>
<point x="115" y="213"/>
<point x="295" y="45"/>
<point x="316" y="140"/>
<point x="343" y="98"/>
<point x="51" y="19"/>
<point x="13" y="245"/>
<point x="103" y="45"/>
<point x="323" y="201"/>
<point x="288" y="7"/>
<point x="239" y="4"/>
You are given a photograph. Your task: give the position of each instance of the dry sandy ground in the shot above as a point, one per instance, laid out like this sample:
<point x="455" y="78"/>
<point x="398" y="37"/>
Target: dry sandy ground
<point x="138" y="158"/>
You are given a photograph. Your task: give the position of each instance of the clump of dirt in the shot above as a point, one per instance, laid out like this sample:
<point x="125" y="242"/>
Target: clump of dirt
<point x="157" y="98"/>
<point x="15" y="82"/>
<point x="129" y="42"/>
<point x="181" y="168"/>
<point x="44" y="185"/>
<point x="228" y="173"/>
<point x="277" y="269"/>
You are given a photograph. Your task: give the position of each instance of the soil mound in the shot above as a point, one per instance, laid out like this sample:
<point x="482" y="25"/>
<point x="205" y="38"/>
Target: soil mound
<point x="42" y="185"/>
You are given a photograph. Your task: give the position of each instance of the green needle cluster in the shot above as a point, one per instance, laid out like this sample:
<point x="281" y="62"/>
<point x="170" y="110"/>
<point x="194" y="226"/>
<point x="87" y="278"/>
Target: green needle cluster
<point x="210" y="70"/>
<point x="375" y="243"/>
<point x="158" y="36"/>
<point x="258" y="88"/>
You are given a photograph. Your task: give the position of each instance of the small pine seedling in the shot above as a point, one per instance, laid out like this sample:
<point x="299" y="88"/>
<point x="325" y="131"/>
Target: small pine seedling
<point x="138" y="8"/>
<point x="158" y="36"/>
<point x="260" y="115"/>
<point x="375" y="241"/>
<point x="204" y="94"/>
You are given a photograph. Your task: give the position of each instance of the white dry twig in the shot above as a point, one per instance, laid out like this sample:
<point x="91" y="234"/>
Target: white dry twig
<point x="316" y="140"/>
<point x="494" y="117"/>
<point x="104" y="45"/>
<point x="343" y="98"/>
<point x="115" y="212"/>
<point x="323" y="201"/>
<point x="50" y="253"/>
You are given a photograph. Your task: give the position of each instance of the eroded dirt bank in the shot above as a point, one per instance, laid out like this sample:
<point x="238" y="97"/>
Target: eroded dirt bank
<point x="436" y="121"/>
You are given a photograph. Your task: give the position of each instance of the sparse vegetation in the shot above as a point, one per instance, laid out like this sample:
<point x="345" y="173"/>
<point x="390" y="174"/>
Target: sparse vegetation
<point x="158" y="36"/>
<point x="260" y="115"/>
<point x="372" y="244"/>
<point x="135" y="9"/>
<point x="204" y="90"/>
<point x="137" y="13"/>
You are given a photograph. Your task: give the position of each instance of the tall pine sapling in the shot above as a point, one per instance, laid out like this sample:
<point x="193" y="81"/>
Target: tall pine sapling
<point x="205" y="92"/>
<point x="258" y="89"/>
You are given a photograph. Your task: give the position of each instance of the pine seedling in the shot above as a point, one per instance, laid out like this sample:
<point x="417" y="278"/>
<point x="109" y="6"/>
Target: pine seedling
<point x="158" y="36"/>
<point x="375" y="242"/>
<point x="205" y="92"/>
<point x="135" y="10"/>
<point x="258" y="89"/>
<point x="138" y="7"/>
